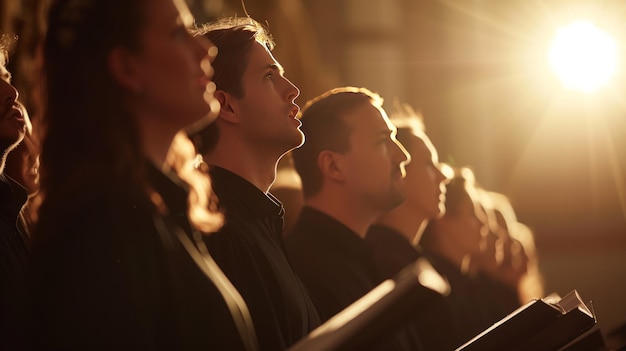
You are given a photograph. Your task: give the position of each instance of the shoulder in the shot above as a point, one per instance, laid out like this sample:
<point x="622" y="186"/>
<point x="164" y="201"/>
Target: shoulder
<point x="96" y="247"/>
<point x="302" y="240"/>
<point x="312" y="233"/>
<point x="93" y="220"/>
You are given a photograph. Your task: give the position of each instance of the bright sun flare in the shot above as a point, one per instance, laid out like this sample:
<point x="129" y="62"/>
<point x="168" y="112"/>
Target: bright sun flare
<point x="583" y="56"/>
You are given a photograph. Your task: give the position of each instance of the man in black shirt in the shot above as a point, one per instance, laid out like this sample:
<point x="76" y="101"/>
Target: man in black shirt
<point x="13" y="239"/>
<point x="255" y="127"/>
<point x="352" y="170"/>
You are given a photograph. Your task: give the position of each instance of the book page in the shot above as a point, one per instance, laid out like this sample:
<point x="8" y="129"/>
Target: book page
<point x="552" y="299"/>
<point x="572" y="301"/>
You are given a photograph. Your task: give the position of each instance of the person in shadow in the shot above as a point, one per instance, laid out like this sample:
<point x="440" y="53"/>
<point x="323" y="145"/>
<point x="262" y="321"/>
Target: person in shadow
<point x="14" y="241"/>
<point x="118" y="260"/>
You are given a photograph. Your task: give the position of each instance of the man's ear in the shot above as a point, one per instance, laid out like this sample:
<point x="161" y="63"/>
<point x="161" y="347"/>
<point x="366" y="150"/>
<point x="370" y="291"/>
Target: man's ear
<point x="331" y="165"/>
<point x="228" y="106"/>
<point x="125" y="70"/>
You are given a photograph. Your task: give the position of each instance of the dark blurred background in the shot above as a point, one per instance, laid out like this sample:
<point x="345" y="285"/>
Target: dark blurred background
<point x="477" y="70"/>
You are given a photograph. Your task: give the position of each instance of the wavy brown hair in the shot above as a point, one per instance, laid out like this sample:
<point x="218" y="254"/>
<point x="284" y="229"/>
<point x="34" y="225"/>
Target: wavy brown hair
<point x="91" y="138"/>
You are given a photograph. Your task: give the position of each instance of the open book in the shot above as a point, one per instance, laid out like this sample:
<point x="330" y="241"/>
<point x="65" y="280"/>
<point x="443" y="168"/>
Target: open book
<point x="379" y="312"/>
<point x="542" y="324"/>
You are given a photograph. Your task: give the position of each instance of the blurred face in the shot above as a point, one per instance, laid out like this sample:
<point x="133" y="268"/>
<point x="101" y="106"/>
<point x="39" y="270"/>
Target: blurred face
<point x="515" y="262"/>
<point x="374" y="166"/>
<point x="502" y="226"/>
<point x="12" y="122"/>
<point x="174" y="67"/>
<point x="268" y="109"/>
<point x="424" y="179"/>
<point x="469" y="225"/>
<point x="491" y="257"/>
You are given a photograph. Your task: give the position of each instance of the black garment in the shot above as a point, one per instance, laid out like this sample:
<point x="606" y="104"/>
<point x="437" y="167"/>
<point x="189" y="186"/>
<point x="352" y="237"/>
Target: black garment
<point x="250" y="250"/>
<point x="466" y="299"/>
<point x="498" y="299"/>
<point x="108" y="273"/>
<point x="434" y="322"/>
<point x="337" y="267"/>
<point x="14" y="252"/>
<point x="391" y="250"/>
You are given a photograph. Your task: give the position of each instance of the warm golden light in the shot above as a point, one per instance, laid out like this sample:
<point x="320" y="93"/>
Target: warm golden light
<point x="583" y="56"/>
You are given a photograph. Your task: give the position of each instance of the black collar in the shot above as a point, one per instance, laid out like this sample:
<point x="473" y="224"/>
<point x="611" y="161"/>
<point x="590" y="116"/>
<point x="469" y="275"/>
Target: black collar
<point x="234" y="192"/>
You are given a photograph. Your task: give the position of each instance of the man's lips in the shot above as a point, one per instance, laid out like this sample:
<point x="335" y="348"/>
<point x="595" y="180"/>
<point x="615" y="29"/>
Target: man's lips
<point x="295" y="109"/>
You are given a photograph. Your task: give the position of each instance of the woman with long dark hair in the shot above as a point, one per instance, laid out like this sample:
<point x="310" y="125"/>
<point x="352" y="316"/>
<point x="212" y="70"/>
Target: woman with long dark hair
<point x="118" y="260"/>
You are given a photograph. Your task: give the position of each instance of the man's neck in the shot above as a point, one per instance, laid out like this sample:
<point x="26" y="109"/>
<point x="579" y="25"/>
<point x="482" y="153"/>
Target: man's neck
<point x="454" y="254"/>
<point x="155" y="140"/>
<point x="353" y="217"/>
<point x="404" y="221"/>
<point x="260" y="172"/>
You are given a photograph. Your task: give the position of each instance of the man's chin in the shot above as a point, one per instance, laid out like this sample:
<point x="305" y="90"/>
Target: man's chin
<point x="298" y="140"/>
<point x="396" y="201"/>
<point x="300" y="143"/>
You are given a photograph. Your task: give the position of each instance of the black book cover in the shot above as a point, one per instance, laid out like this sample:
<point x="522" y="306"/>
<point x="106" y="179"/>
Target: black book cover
<point x="541" y="324"/>
<point x="380" y="311"/>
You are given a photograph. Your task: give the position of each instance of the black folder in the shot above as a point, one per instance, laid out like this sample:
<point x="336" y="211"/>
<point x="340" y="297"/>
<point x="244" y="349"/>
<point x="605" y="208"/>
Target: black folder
<point x="541" y="325"/>
<point x="379" y="312"/>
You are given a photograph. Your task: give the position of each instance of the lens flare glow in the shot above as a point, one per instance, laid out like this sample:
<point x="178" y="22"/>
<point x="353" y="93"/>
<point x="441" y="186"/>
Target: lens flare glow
<point x="583" y="56"/>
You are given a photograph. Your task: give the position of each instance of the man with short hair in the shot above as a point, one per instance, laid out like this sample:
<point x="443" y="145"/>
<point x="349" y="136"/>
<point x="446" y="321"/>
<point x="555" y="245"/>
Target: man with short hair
<point x="255" y="127"/>
<point x="352" y="170"/>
